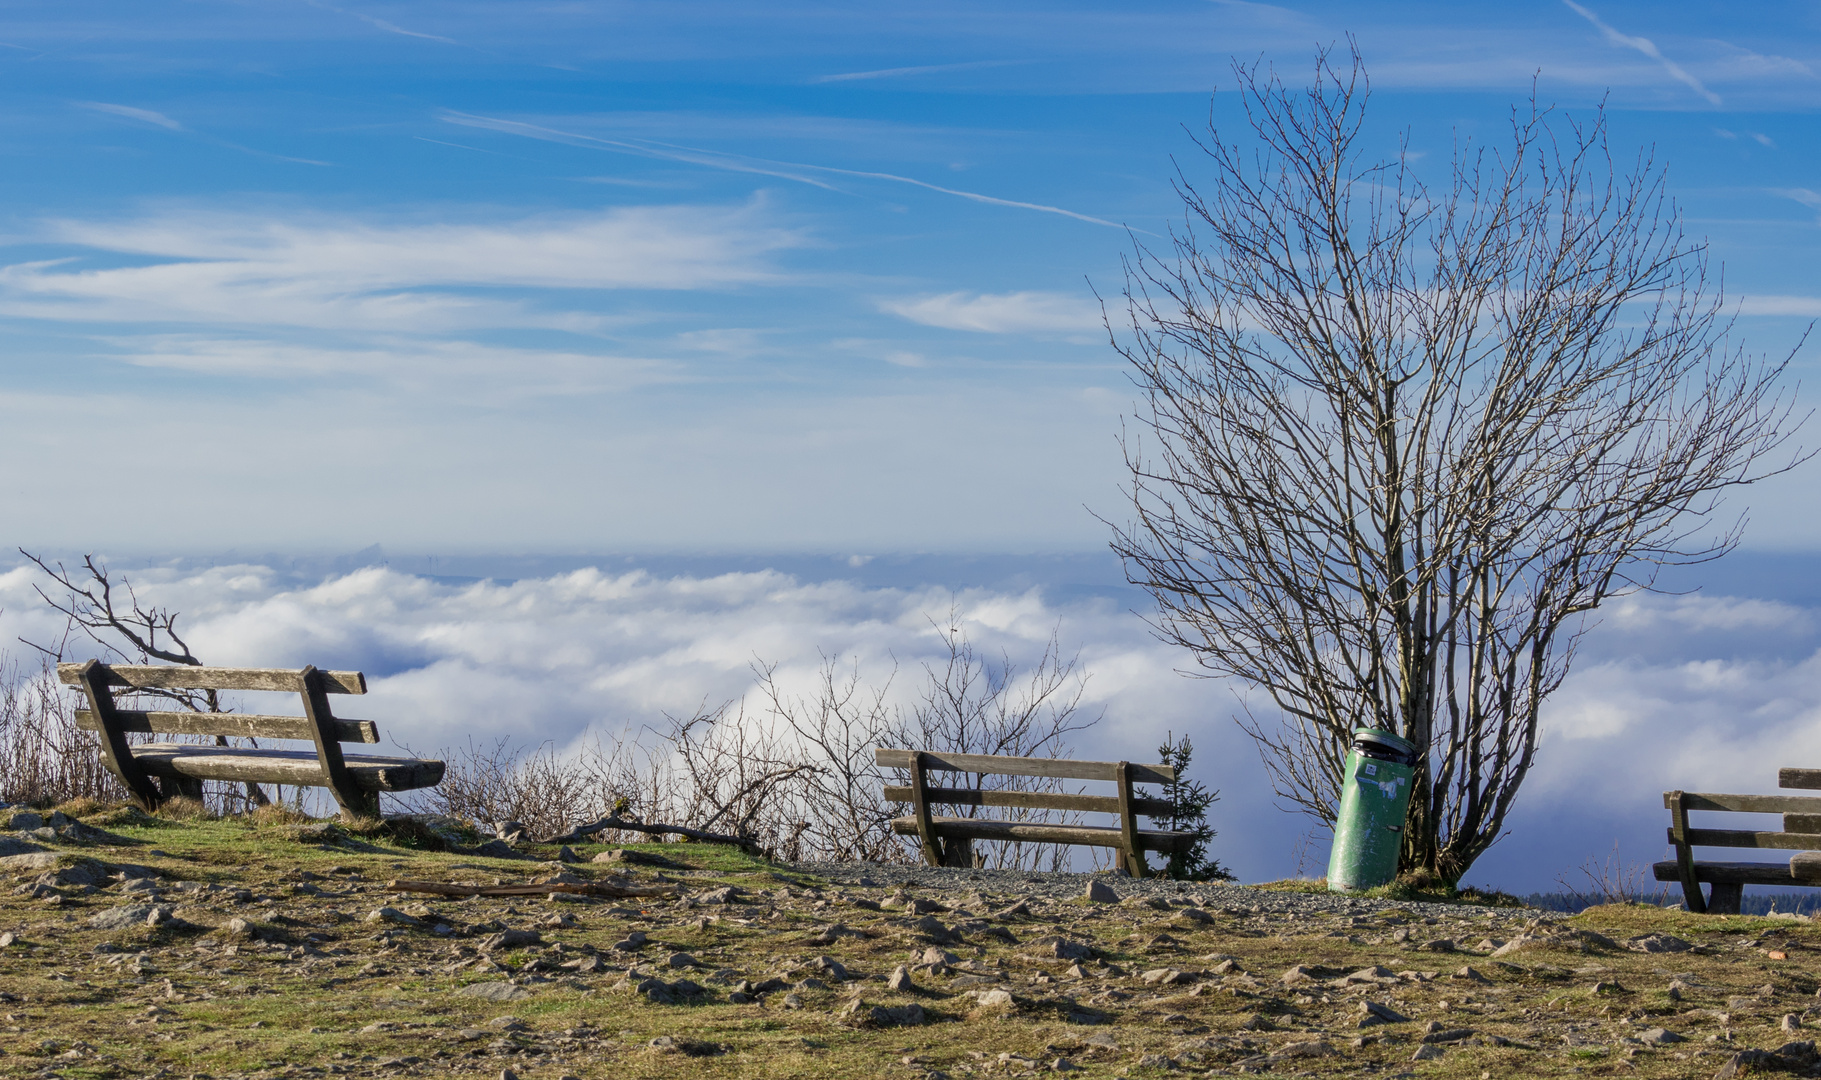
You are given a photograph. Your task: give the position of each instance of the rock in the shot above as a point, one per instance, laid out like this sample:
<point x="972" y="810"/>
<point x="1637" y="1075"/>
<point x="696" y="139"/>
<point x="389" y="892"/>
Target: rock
<point x="1100" y="892"/>
<point x="394" y="916"/>
<point x="237" y="927"/>
<point x="934" y="929"/>
<point x="1657" y="943"/>
<point x="1225" y="967"/>
<point x="1194" y="915"/>
<point x="510" y="831"/>
<point x="1371" y="1014"/>
<point x="938" y="957"/>
<point x="1438" y="945"/>
<point x="885" y="1015"/>
<point x="1020" y="909"/>
<point x="729" y="895"/>
<point x="900" y="980"/>
<point x="1062" y="948"/>
<point x="632" y="942"/>
<point x="1449" y="1035"/>
<point x="1791" y="1024"/>
<point x="832" y="967"/>
<point x="494" y="991"/>
<point x="25" y="821"/>
<point x="1301" y="973"/>
<point x="682" y="960"/>
<point x="995" y="999"/>
<point x="1166" y="977"/>
<point x="1427" y="1052"/>
<point x="29" y="861"/>
<point x="121" y="918"/>
<point x="1374" y="974"/>
<point x="1311" y="1048"/>
<point x="510" y="939"/>
<point x="1470" y="975"/>
<point x="1657" y="1036"/>
<point x="495" y="849"/>
<point x="1063" y="1064"/>
<point x="792" y="1001"/>
<point x="921" y="906"/>
<point x="6" y="939"/>
<point x="77" y="872"/>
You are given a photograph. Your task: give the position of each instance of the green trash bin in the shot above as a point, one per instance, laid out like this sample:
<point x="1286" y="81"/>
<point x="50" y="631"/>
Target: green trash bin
<point x="1375" y="794"/>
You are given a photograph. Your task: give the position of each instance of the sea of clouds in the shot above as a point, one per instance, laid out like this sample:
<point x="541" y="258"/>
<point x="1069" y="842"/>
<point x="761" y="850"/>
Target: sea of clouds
<point x="1694" y="691"/>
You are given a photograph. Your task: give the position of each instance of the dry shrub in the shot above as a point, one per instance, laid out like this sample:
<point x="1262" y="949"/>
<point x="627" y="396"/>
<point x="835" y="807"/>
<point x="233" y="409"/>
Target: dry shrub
<point x="45" y="759"/>
<point x="184" y="808"/>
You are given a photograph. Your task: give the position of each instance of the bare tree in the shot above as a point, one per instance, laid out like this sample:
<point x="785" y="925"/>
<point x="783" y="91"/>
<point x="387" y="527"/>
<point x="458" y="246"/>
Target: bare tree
<point x="126" y="630"/>
<point x="1395" y="443"/>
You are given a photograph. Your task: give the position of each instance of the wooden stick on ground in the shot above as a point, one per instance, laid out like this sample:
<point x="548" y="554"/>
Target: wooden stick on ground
<point x="577" y="888"/>
<point x="582" y="832"/>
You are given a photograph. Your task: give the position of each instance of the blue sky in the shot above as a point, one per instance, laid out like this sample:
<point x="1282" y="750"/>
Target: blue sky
<point x="710" y="277"/>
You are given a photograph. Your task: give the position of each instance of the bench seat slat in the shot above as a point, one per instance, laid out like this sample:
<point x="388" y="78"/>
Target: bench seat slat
<point x="1030" y="800"/>
<point x="1748" y="804"/>
<point x="295" y="767"/>
<point x="1736" y="873"/>
<point x="1744" y="838"/>
<point x="1799" y="778"/>
<point x="182" y="677"/>
<point x="987" y="829"/>
<point x="234" y="725"/>
<point x="1057" y="768"/>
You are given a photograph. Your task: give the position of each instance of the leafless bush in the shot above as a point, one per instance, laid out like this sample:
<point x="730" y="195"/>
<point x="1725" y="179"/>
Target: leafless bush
<point x="1612" y="881"/>
<point x="45" y="758"/>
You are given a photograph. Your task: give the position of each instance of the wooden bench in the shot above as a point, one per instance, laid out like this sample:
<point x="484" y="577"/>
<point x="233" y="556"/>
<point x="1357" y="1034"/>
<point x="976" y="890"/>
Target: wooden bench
<point x="180" y="768"/>
<point x="948" y="841"/>
<point x="1801" y="833"/>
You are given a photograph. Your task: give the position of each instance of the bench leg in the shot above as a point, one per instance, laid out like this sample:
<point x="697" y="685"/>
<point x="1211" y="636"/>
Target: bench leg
<point x="181" y="786"/>
<point x="1723" y="897"/>
<point x="958" y="851"/>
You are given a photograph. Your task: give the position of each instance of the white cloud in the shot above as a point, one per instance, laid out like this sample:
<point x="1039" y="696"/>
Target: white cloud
<point x="999" y="313"/>
<point x="338" y="273"/>
<point x="1688" y="692"/>
<point x="430" y="369"/>
<point x="1648" y="48"/>
<point x="133" y="113"/>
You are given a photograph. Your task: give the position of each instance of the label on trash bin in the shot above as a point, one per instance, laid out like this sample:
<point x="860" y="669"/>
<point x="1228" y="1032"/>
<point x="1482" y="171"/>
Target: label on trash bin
<point x="1369" y="769"/>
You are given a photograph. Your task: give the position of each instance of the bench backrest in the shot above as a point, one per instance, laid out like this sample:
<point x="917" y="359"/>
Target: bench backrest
<point x="233" y="725"/>
<point x="1049" y="768"/>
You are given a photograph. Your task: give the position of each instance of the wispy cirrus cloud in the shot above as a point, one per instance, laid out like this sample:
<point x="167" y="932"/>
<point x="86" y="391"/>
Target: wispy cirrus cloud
<point x="133" y="113"/>
<point x="715" y="159"/>
<point x="924" y="69"/>
<point x="1647" y="47"/>
<point x="340" y="273"/>
<point x="999" y="313"/>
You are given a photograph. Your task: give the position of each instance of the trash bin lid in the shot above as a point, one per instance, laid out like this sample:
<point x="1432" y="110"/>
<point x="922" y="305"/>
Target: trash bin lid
<point x="1378" y="737"/>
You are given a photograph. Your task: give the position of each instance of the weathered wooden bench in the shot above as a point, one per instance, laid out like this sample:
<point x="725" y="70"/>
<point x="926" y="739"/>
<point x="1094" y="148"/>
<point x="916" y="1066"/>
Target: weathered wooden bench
<point x="180" y="768"/>
<point x="1726" y="881"/>
<point x="948" y="841"/>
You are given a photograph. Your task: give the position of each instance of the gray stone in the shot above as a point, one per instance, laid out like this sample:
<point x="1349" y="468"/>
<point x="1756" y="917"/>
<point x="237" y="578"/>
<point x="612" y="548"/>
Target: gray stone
<point x="494" y="991"/>
<point x="832" y="967"/>
<point x="121" y="918"/>
<point x="1371" y="1014"/>
<point x="1301" y="973"/>
<point x="900" y="980"/>
<point x="1062" y="948"/>
<point x="995" y="999"/>
<point x="26" y="821"/>
<point x="1100" y="892"/>
<point x="1657" y="1036"/>
<point x="682" y="960"/>
<point x="394" y="916"/>
<point x="1427" y="1052"/>
<point x="938" y="957"/>
<point x="512" y="939"/>
<point x="1657" y="943"/>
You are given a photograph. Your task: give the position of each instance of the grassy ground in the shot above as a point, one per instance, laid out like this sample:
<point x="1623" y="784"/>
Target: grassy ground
<point x="315" y="985"/>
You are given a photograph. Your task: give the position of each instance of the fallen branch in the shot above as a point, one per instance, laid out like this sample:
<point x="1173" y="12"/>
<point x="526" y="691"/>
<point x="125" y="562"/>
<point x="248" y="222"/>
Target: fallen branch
<point x="576" y="888"/>
<point x="614" y="822"/>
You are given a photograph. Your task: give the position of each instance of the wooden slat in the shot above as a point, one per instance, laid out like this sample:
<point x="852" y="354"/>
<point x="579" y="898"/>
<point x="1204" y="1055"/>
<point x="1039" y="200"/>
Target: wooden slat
<point x="1747" y="804"/>
<point x="1030" y="800"/>
<point x="1738" y="873"/>
<point x="233" y="725"/>
<point x="983" y="829"/>
<point x="1057" y="768"/>
<point x="1806" y="866"/>
<point x="295" y="767"/>
<point x="1744" y="838"/>
<point x="179" y="677"/>
<point x="1799" y="778"/>
<point x="926" y="836"/>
